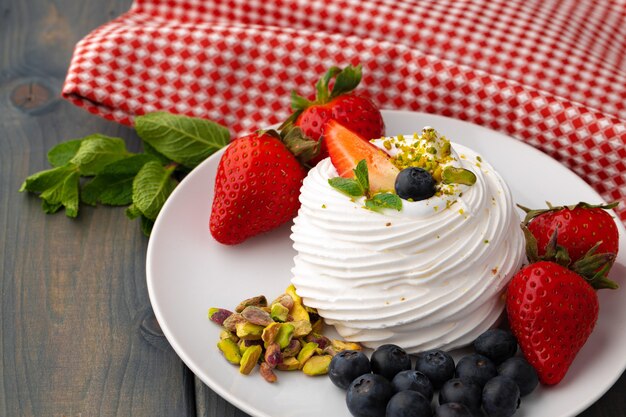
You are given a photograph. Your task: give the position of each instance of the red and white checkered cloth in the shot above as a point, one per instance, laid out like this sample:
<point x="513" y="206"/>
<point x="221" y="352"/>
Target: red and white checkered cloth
<point x="551" y="73"/>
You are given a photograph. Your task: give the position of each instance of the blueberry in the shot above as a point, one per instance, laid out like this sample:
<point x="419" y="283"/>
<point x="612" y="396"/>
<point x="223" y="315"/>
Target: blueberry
<point x="496" y="344"/>
<point x="368" y="396"/>
<point x="413" y="381"/>
<point x="437" y="365"/>
<point x="500" y="397"/>
<point x="520" y="371"/>
<point x="415" y="183"/>
<point x="476" y="367"/>
<point x="346" y="366"/>
<point x="409" y="404"/>
<point x="388" y="360"/>
<point x="452" y="410"/>
<point x="461" y="390"/>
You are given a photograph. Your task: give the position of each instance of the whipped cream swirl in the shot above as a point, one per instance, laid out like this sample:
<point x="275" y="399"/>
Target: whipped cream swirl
<point x="429" y="276"/>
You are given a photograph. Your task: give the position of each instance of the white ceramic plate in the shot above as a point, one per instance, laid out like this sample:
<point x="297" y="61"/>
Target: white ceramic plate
<point x="188" y="272"/>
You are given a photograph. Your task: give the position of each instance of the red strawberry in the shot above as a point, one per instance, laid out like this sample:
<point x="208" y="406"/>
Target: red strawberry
<point x="580" y="228"/>
<point x="572" y="233"/>
<point x="356" y="112"/>
<point x="347" y="148"/>
<point x="552" y="311"/>
<point x="256" y="188"/>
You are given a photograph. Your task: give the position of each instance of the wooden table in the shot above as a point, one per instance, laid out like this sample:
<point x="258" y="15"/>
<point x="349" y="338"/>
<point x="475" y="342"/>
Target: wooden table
<point x="78" y="335"/>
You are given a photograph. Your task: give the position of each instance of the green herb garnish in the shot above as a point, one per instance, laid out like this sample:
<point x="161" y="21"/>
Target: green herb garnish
<point x="173" y="144"/>
<point x="359" y="186"/>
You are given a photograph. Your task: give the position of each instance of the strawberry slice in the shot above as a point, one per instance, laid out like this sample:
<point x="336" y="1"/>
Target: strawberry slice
<point x="346" y="148"/>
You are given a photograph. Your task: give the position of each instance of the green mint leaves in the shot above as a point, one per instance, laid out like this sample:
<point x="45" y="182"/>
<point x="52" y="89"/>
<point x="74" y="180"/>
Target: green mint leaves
<point x="114" y="176"/>
<point x="359" y="186"/>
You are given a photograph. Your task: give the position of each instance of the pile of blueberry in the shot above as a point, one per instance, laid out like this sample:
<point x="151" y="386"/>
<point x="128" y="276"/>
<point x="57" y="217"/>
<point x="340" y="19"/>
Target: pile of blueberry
<point x="489" y="382"/>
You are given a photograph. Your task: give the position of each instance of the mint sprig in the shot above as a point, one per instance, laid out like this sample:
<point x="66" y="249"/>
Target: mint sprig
<point x="173" y="145"/>
<point x="359" y="186"/>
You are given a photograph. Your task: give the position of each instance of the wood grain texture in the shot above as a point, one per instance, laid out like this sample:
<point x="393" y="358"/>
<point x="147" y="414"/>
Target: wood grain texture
<point x="78" y="337"/>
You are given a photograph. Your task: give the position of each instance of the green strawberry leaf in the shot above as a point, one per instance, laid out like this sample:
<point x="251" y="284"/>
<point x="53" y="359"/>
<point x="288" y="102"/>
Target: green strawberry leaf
<point x="298" y="102"/>
<point x="185" y="140"/>
<point x="347" y="186"/>
<point x="151" y="187"/>
<point x="96" y="152"/>
<point x="362" y="176"/>
<point x="114" y="184"/>
<point x="347" y="80"/>
<point x="382" y="201"/>
<point x="302" y="147"/>
<point x="63" y="152"/>
<point x="322" y="85"/>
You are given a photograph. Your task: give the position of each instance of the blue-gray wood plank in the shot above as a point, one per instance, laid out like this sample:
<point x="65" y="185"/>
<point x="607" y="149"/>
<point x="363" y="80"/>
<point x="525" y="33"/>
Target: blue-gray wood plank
<point x="78" y="337"/>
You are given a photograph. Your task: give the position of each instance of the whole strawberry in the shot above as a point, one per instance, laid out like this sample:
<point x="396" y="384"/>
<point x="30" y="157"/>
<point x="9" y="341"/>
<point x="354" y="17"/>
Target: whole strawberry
<point x="356" y="112"/>
<point x="552" y="311"/>
<point x="256" y="188"/>
<point x="581" y="227"/>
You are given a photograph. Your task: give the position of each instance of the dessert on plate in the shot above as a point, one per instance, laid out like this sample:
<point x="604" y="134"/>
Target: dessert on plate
<point x="427" y="273"/>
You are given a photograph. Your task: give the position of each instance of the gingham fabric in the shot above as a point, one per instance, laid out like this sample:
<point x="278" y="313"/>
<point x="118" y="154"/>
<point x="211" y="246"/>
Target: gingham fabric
<point x="550" y="73"/>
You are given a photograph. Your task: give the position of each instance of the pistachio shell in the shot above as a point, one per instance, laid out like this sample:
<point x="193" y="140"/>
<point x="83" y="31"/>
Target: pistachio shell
<point x="317" y="365"/>
<point x="258" y="301"/>
<point x="230" y="351"/>
<point x="249" y="331"/>
<point x="249" y="359"/>
<point x="256" y="315"/>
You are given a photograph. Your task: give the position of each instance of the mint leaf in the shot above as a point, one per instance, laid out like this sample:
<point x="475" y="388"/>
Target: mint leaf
<point x="96" y="152"/>
<point x="186" y="140"/>
<point x="362" y="176"/>
<point x="132" y="212"/>
<point x="146" y="225"/>
<point x="42" y="180"/>
<point x="151" y="187"/>
<point x="347" y="186"/>
<point x="114" y="184"/>
<point x="58" y="187"/>
<point x="346" y="81"/>
<point x="149" y="149"/>
<point x="62" y="153"/>
<point x="384" y="200"/>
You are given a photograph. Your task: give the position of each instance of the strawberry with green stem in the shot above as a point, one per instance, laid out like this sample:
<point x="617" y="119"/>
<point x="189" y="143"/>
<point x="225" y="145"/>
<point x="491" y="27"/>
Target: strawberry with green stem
<point x="356" y="112"/>
<point x="256" y="187"/>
